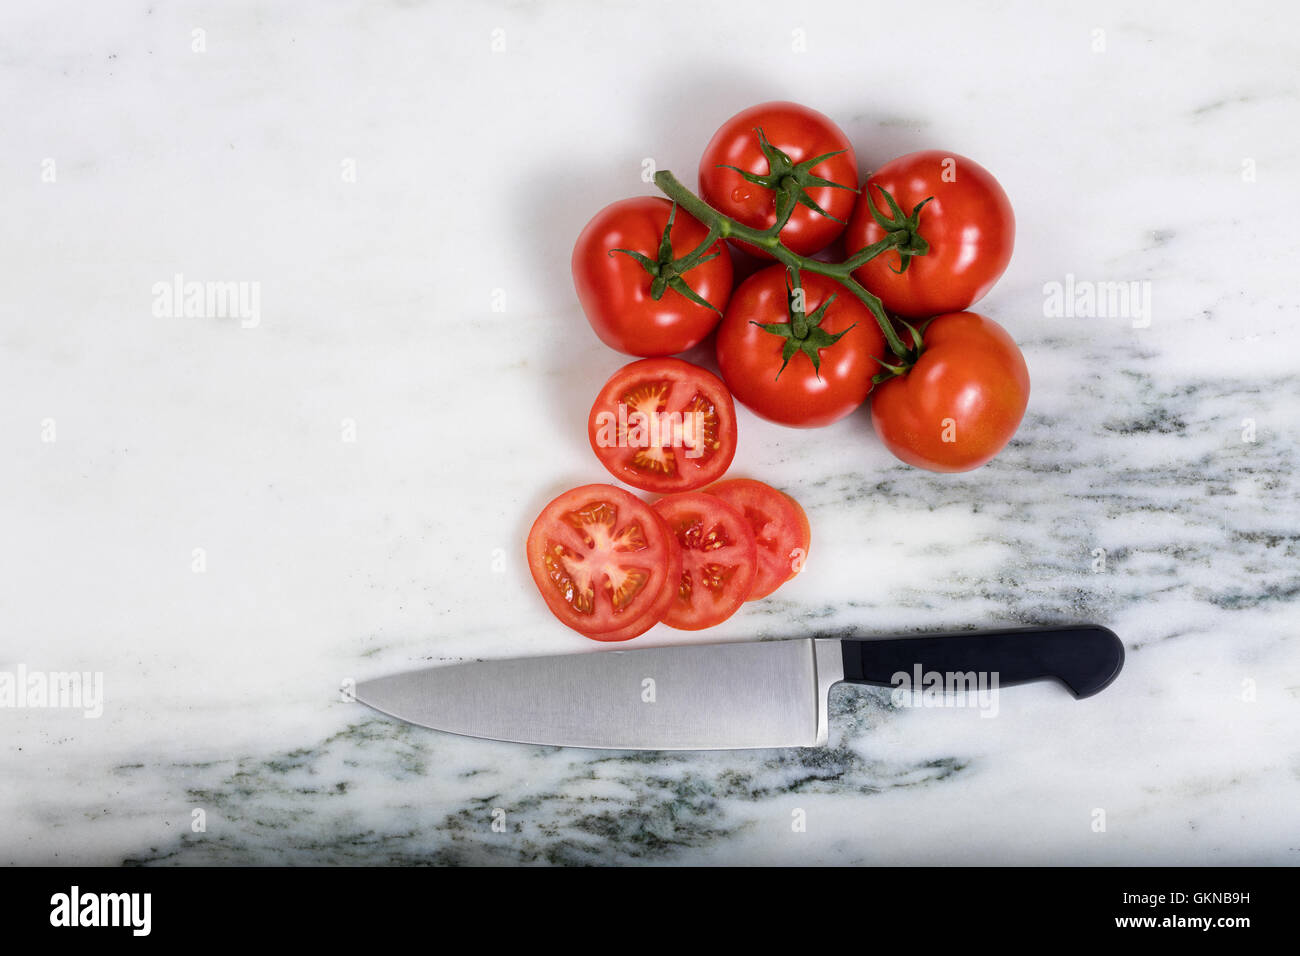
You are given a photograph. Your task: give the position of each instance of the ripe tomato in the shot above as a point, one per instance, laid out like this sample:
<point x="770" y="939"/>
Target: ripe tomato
<point x="719" y="558"/>
<point x="961" y="402"/>
<point x="780" y="527"/>
<point x="615" y="289"/>
<point x="601" y="558"/>
<point x="751" y="358"/>
<point x="969" y="225"/>
<point x="664" y="425"/>
<point x="801" y="135"/>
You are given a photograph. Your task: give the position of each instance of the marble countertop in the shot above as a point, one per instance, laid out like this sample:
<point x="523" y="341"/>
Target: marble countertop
<point x="228" y="516"/>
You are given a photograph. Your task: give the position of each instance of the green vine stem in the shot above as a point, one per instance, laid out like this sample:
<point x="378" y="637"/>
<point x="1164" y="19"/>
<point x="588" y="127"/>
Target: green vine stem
<point x="901" y="236"/>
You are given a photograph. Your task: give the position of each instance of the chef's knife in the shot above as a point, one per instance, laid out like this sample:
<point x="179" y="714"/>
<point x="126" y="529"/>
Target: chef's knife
<point x="722" y="696"/>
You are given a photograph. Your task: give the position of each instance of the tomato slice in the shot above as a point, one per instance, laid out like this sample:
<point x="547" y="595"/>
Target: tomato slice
<point x="719" y="557"/>
<point x="656" y="611"/>
<point x="600" y="556"/>
<point x="664" y="425"/>
<point x="780" y="527"/>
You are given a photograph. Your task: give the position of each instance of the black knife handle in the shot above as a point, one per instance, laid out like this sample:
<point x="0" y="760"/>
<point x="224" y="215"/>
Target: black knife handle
<point x="1085" y="657"/>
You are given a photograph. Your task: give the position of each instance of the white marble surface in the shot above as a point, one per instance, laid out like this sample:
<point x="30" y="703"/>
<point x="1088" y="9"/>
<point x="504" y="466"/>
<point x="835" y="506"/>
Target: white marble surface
<point x="328" y="559"/>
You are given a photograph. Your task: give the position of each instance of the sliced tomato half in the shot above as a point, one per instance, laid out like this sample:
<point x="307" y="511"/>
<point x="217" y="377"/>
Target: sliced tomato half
<point x="664" y="425"/>
<point x="601" y="557"/>
<point x="780" y="528"/>
<point x="718" y="559"/>
<point x="656" y="611"/>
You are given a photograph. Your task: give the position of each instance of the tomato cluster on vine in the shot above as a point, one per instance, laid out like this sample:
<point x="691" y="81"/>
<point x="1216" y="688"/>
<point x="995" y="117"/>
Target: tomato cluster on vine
<point x="801" y="339"/>
<point x="805" y="341"/>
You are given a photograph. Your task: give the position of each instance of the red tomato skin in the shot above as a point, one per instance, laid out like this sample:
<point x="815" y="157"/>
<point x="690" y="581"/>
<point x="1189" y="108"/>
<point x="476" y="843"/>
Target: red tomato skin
<point x="783" y="542"/>
<point x="740" y="555"/>
<point x="969" y="225"/>
<point x="614" y="290"/>
<point x="972" y="372"/>
<point x="750" y="358"/>
<point x="801" y="133"/>
<point x="658" y="558"/>
<point x="692" y="472"/>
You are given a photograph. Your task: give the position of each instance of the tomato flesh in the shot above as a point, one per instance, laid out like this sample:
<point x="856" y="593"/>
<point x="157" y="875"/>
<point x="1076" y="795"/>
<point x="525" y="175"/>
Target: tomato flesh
<point x="656" y="611"/>
<point x="719" y="557"/>
<point x="781" y="530"/>
<point x="600" y="557"/>
<point x="664" y="425"/>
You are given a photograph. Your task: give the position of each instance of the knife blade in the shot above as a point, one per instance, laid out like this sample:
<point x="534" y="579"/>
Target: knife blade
<point x="721" y="696"/>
